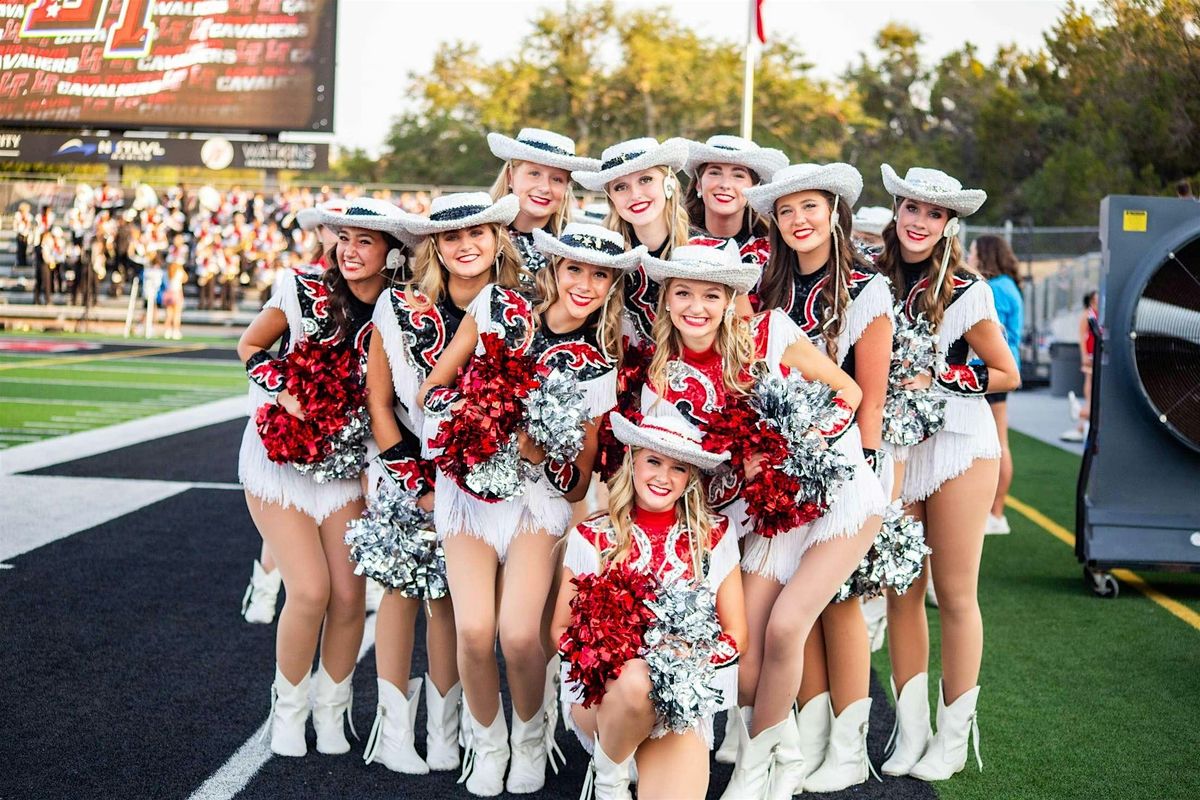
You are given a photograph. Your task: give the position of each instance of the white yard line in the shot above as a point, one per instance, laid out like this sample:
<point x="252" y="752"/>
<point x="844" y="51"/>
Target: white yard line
<point x="165" y="387"/>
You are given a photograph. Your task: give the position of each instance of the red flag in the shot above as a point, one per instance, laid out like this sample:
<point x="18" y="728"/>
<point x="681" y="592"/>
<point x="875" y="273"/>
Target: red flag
<point x="758" y="22"/>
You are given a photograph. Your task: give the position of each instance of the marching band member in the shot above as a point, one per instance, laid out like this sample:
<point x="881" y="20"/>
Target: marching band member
<point x="537" y="169"/>
<point x="303" y="516"/>
<point x="950" y="478"/>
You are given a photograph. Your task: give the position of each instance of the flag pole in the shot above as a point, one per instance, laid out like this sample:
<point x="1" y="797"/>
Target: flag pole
<point x="748" y="77"/>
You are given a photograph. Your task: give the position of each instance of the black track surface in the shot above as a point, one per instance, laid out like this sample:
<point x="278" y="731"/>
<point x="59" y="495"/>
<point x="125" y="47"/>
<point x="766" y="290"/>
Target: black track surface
<point x="208" y="352"/>
<point x="130" y="674"/>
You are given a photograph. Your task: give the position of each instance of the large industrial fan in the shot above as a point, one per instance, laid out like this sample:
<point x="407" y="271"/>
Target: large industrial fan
<point x="1139" y="486"/>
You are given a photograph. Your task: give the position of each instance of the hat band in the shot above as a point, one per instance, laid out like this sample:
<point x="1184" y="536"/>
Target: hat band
<point x="592" y="243"/>
<point x="617" y="161"/>
<point x="359" y="211"/>
<point x="547" y="147"/>
<point x="650" y="426"/>
<point x="932" y="188"/>
<point x="459" y="212"/>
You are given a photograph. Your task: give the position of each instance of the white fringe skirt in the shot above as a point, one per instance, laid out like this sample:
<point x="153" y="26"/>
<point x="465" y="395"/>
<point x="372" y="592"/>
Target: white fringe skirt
<point x="281" y="484"/>
<point x="539" y="508"/>
<point x="860" y="498"/>
<point x="969" y="434"/>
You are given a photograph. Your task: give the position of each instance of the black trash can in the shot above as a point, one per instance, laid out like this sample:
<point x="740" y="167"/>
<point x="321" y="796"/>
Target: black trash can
<point x="1064" y="369"/>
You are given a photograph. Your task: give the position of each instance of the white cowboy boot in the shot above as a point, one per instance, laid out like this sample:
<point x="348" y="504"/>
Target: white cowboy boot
<point x="846" y="762"/>
<point x="487" y="753"/>
<point x="550" y="700"/>
<point x="391" y="739"/>
<point x="813" y="722"/>
<point x="756" y="757"/>
<point x="911" y="733"/>
<point x="334" y="701"/>
<point x="787" y="774"/>
<point x="727" y="752"/>
<point x="289" y="712"/>
<point x="875" y="614"/>
<point x="947" y="753"/>
<point x="532" y="746"/>
<point x="441" y="726"/>
<point x="258" y="604"/>
<point x="607" y="779"/>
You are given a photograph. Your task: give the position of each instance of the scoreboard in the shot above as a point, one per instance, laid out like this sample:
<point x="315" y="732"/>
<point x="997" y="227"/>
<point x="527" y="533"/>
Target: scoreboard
<point x="261" y="66"/>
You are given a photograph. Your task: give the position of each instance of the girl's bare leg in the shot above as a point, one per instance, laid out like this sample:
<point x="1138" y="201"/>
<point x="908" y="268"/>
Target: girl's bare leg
<point x="760" y="594"/>
<point x="816" y="678"/>
<point x="908" y="626"/>
<point x="847" y="653"/>
<point x="674" y="767"/>
<point x="528" y="572"/>
<point x="347" y="611"/>
<point x="626" y="717"/>
<point x="441" y="644"/>
<point x="471" y="566"/>
<point x="395" y="630"/>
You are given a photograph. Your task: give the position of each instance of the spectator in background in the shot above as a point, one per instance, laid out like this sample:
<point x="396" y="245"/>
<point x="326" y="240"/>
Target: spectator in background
<point x="1183" y="189"/>
<point x="152" y="282"/>
<point x="172" y="300"/>
<point x="23" y="225"/>
<point x="1087" y="347"/>
<point x="993" y="259"/>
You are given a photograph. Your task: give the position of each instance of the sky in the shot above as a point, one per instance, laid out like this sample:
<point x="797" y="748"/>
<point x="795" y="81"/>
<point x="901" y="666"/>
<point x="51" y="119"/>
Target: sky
<point x="381" y="42"/>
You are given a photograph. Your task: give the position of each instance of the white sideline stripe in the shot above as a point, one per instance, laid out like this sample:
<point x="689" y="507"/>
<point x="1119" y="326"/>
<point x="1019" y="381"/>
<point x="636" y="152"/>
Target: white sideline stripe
<point x="36" y="455"/>
<point x="234" y="774"/>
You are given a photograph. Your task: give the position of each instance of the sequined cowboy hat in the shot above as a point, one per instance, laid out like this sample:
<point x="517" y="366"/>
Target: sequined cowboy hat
<point x="837" y="178"/>
<point x="310" y="218"/>
<point x="372" y="214"/>
<point x="934" y="187"/>
<point x="872" y="219"/>
<point x="724" y="149"/>
<point x="590" y="244"/>
<point x="633" y="156"/>
<point x="453" y="212"/>
<point x="699" y="262"/>
<point x="540" y="147"/>
<point x="669" y="435"/>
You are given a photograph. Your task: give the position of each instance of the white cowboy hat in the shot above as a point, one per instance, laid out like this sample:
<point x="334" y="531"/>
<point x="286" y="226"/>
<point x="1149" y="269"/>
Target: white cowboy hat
<point x="453" y="212"/>
<point x="540" y="147"/>
<point x="934" y="187"/>
<point x="372" y="214"/>
<point x="699" y="262"/>
<point x="872" y="219"/>
<point x="669" y="435"/>
<point x="837" y="178"/>
<point x="590" y="244"/>
<point x="724" y="149"/>
<point x="309" y="218"/>
<point x="633" y="156"/>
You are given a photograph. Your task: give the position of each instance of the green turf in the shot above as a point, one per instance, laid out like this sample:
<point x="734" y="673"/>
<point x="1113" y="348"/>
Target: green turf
<point x="218" y="336"/>
<point x="1082" y="697"/>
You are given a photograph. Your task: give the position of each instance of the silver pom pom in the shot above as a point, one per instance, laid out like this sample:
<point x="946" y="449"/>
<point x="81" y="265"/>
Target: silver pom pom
<point x="555" y="415"/>
<point x="911" y="416"/>
<point x="394" y="543"/>
<point x="503" y="475"/>
<point x="798" y="408"/>
<point x="348" y="454"/>
<point x="894" y="561"/>
<point x="680" y="645"/>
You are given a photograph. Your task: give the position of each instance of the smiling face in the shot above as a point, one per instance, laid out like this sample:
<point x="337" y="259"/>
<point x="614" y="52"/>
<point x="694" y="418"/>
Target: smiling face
<point x="582" y="287"/>
<point x="658" y="481"/>
<point x="639" y="198"/>
<point x="540" y="189"/>
<point x="919" y="228"/>
<point x="467" y="252"/>
<point x="697" y="309"/>
<point x="803" y="219"/>
<point x="721" y="188"/>
<point x="361" y="253"/>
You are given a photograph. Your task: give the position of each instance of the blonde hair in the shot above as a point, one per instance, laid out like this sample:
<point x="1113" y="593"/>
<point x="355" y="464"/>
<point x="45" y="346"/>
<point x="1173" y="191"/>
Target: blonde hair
<point x="609" y="327"/>
<point x="431" y="278"/>
<point x="678" y="227"/>
<point x="503" y="186"/>
<point x="691" y="510"/>
<point x="734" y="344"/>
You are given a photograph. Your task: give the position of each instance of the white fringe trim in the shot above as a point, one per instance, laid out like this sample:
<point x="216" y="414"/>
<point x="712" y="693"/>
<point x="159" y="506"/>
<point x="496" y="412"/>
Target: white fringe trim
<point x="600" y="393"/>
<point x="481" y="309"/>
<point x="406" y="381"/>
<point x="973" y="306"/>
<point x="781" y="335"/>
<point x="860" y="498"/>
<point x="581" y="556"/>
<point x="287" y="301"/>
<point x="540" y="509"/>
<point x="726" y="681"/>
<point x="723" y="559"/>
<point x="944" y="456"/>
<point x="874" y="301"/>
<point x="281" y="484"/>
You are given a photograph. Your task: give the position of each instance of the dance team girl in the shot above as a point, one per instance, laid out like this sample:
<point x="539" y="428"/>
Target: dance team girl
<point x="417" y="354"/>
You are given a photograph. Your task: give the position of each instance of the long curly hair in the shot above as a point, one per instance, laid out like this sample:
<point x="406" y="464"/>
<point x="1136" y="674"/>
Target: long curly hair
<point x="559" y="219"/>
<point x="890" y="264"/>
<point x="678" y="227"/>
<point x="734" y="344"/>
<point x="996" y="257"/>
<point x="431" y="278"/>
<point x="779" y="276"/>
<point x="691" y="511"/>
<point x="340" y="296"/>
<point x="609" y="327"/>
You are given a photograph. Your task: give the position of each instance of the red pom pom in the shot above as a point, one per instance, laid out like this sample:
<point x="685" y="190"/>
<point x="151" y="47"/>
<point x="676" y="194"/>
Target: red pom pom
<point x="326" y="380"/>
<point x="609" y="618"/>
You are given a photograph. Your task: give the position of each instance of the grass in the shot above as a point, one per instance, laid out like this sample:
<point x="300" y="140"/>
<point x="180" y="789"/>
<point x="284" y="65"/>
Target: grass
<point x="216" y="339"/>
<point x="1082" y="697"/>
<point x="45" y="399"/>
